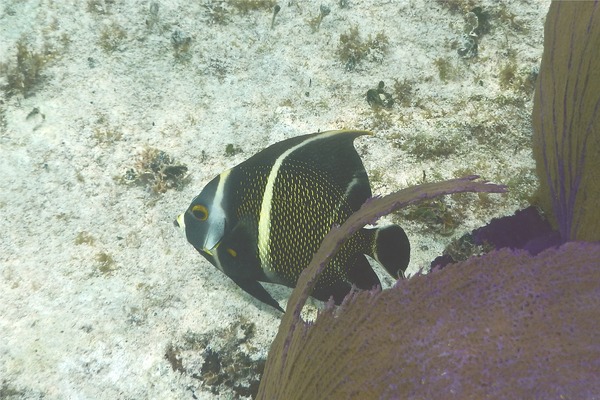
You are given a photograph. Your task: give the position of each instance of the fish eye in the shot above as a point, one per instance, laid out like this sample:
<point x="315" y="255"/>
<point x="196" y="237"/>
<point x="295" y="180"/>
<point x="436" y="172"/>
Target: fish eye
<point x="200" y="212"/>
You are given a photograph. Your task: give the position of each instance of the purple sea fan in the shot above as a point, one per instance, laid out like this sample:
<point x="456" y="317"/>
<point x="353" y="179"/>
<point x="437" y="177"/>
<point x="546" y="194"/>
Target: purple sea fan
<point x="526" y="229"/>
<point x="566" y="119"/>
<point x="506" y="325"/>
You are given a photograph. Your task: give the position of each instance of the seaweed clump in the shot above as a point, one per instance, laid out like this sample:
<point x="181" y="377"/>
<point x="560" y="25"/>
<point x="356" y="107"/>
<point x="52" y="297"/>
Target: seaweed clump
<point x="511" y="77"/>
<point x="446" y="70"/>
<point x="315" y="23"/>
<point x="216" y="13"/>
<point x="352" y="49"/>
<point x="457" y="6"/>
<point x="181" y="45"/>
<point x="404" y="92"/>
<point x="231" y="150"/>
<point x="105" y="263"/>
<point x="8" y="391"/>
<point x="157" y="171"/>
<point x="245" y="6"/>
<point x="225" y="368"/>
<point x="436" y="216"/>
<point x="101" y="7"/>
<point x="112" y="37"/>
<point x="26" y="73"/>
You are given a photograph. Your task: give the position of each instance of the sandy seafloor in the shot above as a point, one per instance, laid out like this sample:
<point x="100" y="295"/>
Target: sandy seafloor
<point x="100" y="296"/>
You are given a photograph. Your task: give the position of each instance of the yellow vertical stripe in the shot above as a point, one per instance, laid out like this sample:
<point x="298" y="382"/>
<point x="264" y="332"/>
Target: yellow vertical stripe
<point x="264" y="219"/>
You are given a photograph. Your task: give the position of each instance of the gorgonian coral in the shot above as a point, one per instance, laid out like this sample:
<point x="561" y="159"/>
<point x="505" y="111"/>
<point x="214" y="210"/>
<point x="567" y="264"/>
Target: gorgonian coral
<point x="566" y="118"/>
<point x="505" y="325"/>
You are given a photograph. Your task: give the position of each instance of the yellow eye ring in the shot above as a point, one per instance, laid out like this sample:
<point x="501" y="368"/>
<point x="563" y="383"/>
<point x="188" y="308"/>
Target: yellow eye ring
<point x="200" y="212"/>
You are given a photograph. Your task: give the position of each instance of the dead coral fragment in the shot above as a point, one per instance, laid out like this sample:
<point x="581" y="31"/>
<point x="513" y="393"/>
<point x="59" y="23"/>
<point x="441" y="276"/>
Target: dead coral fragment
<point x="153" y="17"/>
<point x="157" y="171"/>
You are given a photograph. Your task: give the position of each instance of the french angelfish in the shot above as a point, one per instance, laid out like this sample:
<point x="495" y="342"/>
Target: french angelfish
<point x="263" y="220"/>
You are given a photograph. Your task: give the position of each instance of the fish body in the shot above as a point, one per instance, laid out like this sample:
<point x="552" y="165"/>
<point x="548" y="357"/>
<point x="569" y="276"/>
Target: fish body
<point x="263" y="220"/>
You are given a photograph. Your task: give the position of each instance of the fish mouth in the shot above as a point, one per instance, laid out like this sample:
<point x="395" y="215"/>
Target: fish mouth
<point x="180" y="222"/>
<point x="211" y="252"/>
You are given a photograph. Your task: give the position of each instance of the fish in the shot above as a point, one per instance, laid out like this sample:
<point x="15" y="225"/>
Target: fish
<point x="263" y="220"/>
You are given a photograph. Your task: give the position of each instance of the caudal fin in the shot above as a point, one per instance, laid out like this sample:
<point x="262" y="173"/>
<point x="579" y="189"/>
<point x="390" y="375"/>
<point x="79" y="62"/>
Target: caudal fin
<point x="392" y="249"/>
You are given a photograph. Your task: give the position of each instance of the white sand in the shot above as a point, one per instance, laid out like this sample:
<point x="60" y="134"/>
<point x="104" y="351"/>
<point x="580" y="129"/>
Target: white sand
<point x="70" y="329"/>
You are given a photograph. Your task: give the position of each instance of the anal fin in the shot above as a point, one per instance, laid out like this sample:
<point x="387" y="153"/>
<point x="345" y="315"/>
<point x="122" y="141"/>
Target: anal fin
<point x="361" y="274"/>
<point x="338" y="291"/>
